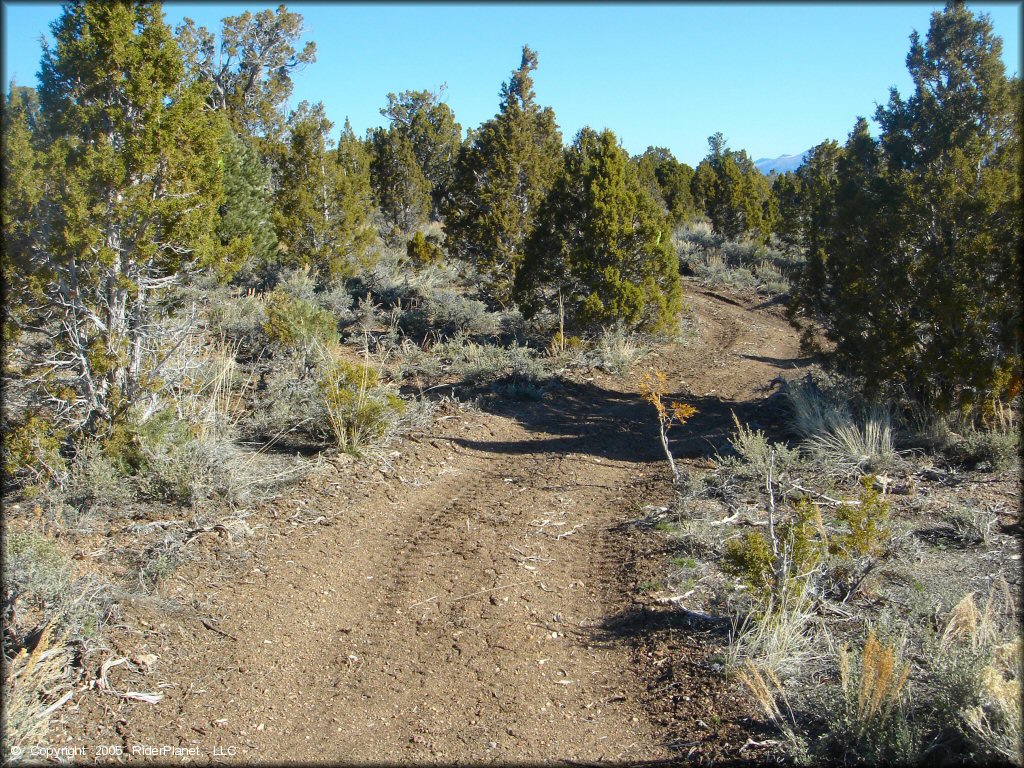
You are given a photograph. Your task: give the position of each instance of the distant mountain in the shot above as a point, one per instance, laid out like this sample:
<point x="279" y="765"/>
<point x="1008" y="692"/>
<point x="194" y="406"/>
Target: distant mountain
<point x="781" y="164"/>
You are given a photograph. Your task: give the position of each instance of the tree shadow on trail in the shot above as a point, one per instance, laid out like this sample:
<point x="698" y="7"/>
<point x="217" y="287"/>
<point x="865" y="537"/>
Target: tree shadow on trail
<point x="621" y="426"/>
<point x="639" y="621"/>
<point x="783" y="363"/>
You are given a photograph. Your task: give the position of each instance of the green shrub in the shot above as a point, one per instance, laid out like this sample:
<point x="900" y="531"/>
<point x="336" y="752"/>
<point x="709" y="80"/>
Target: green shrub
<point x="358" y="410"/>
<point x="237" y="317"/>
<point x="424" y="251"/>
<point x="867" y="524"/>
<point x="772" y="573"/>
<point x="484" y="364"/>
<point x="185" y="469"/>
<point x="38" y="579"/>
<point x="751" y="560"/>
<point x="617" y="350"/>
<point x="31" y="450"/>
<point x="756" y="452"/>
<point x="996" y="448"/>
<point x="443" y="313"/>
<point x="298" y="284"/>
<point x="337" y="301"/>
<point x="98" y="481"/>
<point x="297" y="323"/>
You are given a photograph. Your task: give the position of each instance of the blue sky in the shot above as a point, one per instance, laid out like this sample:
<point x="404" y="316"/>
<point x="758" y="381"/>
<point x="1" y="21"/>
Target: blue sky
<point x="774" y="78"/>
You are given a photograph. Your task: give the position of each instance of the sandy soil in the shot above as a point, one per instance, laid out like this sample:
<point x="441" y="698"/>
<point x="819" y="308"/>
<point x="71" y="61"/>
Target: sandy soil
<point x="468" y="599"/>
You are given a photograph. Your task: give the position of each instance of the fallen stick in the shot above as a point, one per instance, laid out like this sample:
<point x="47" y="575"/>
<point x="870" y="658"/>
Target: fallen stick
<point x="212" y="628"/>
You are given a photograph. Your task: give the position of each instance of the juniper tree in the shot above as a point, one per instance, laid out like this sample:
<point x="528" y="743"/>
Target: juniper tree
<point x="429" y="125"/>
<point x="353" y="158"/>
<point x="401" y="190"/>
<point x="734" y="195"/>
<point x="322" y="213"/>
<point x="130" y="188"/>
<point x="600" y="250"/>
<point x="503" y="172"/>
<point x="915" y="287"/>
<point x="807" y="208"/>
<point x="668" y="181"/>
<point x="249" y="69"/>
<point x="23" y="187"/>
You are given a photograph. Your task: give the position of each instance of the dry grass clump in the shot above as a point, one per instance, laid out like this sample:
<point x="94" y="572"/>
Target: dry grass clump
<point x="768" y="691"/>
<point x="875" y="684"/>
<point x="866" y="719"/>
<point x="979" y="674"/>
<point x="781" y="641"/>
<point x="864" y="445"/>
<point x="995" y="721"/>
<point x="616" y="351"/>
<point x="840" y="440"/>
<point x="36" y="684"/>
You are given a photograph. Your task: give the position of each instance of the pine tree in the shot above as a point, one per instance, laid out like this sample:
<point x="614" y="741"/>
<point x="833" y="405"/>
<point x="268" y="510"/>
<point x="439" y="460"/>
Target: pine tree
<point x="601" y="248"/>
<point x="504" y="171"/>
<point x="322" y="210"/>
<point x="130" y="197"/>
<point x="921" y="253"/>
<point x="401" y="190"/>
<point x="246" y="226"/>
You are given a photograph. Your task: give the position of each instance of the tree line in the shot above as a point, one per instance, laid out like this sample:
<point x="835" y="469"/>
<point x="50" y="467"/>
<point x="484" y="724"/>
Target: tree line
<point x="147" y="156"/>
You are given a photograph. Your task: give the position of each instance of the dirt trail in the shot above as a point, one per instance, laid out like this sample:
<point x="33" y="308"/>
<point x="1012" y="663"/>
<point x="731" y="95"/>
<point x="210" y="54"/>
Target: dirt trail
<point x="457" y="604"/>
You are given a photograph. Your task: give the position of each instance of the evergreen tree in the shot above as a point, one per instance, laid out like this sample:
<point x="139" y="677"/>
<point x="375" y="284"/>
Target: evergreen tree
<point x="668" y="181"/>
<point x="354" y="164"/>
<point x="807" y="208"/>
<point x="246" y="224"/>
<point x="23" y="188"/>
<point x="734" y="195"/>
<point x="601" y="248"/>
<point x="249" y="71"/>
<point x="131" y="191"/>
<point x="921" y="254"/>
<point x="435" y="136"/>
<point x="401" y="190"/>
<point x="504" y="171"/>
<point x="322" y="209"/>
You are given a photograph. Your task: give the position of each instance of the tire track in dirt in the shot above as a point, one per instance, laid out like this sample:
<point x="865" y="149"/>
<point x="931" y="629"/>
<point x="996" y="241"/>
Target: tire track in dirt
<point x="456" y="607"/>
